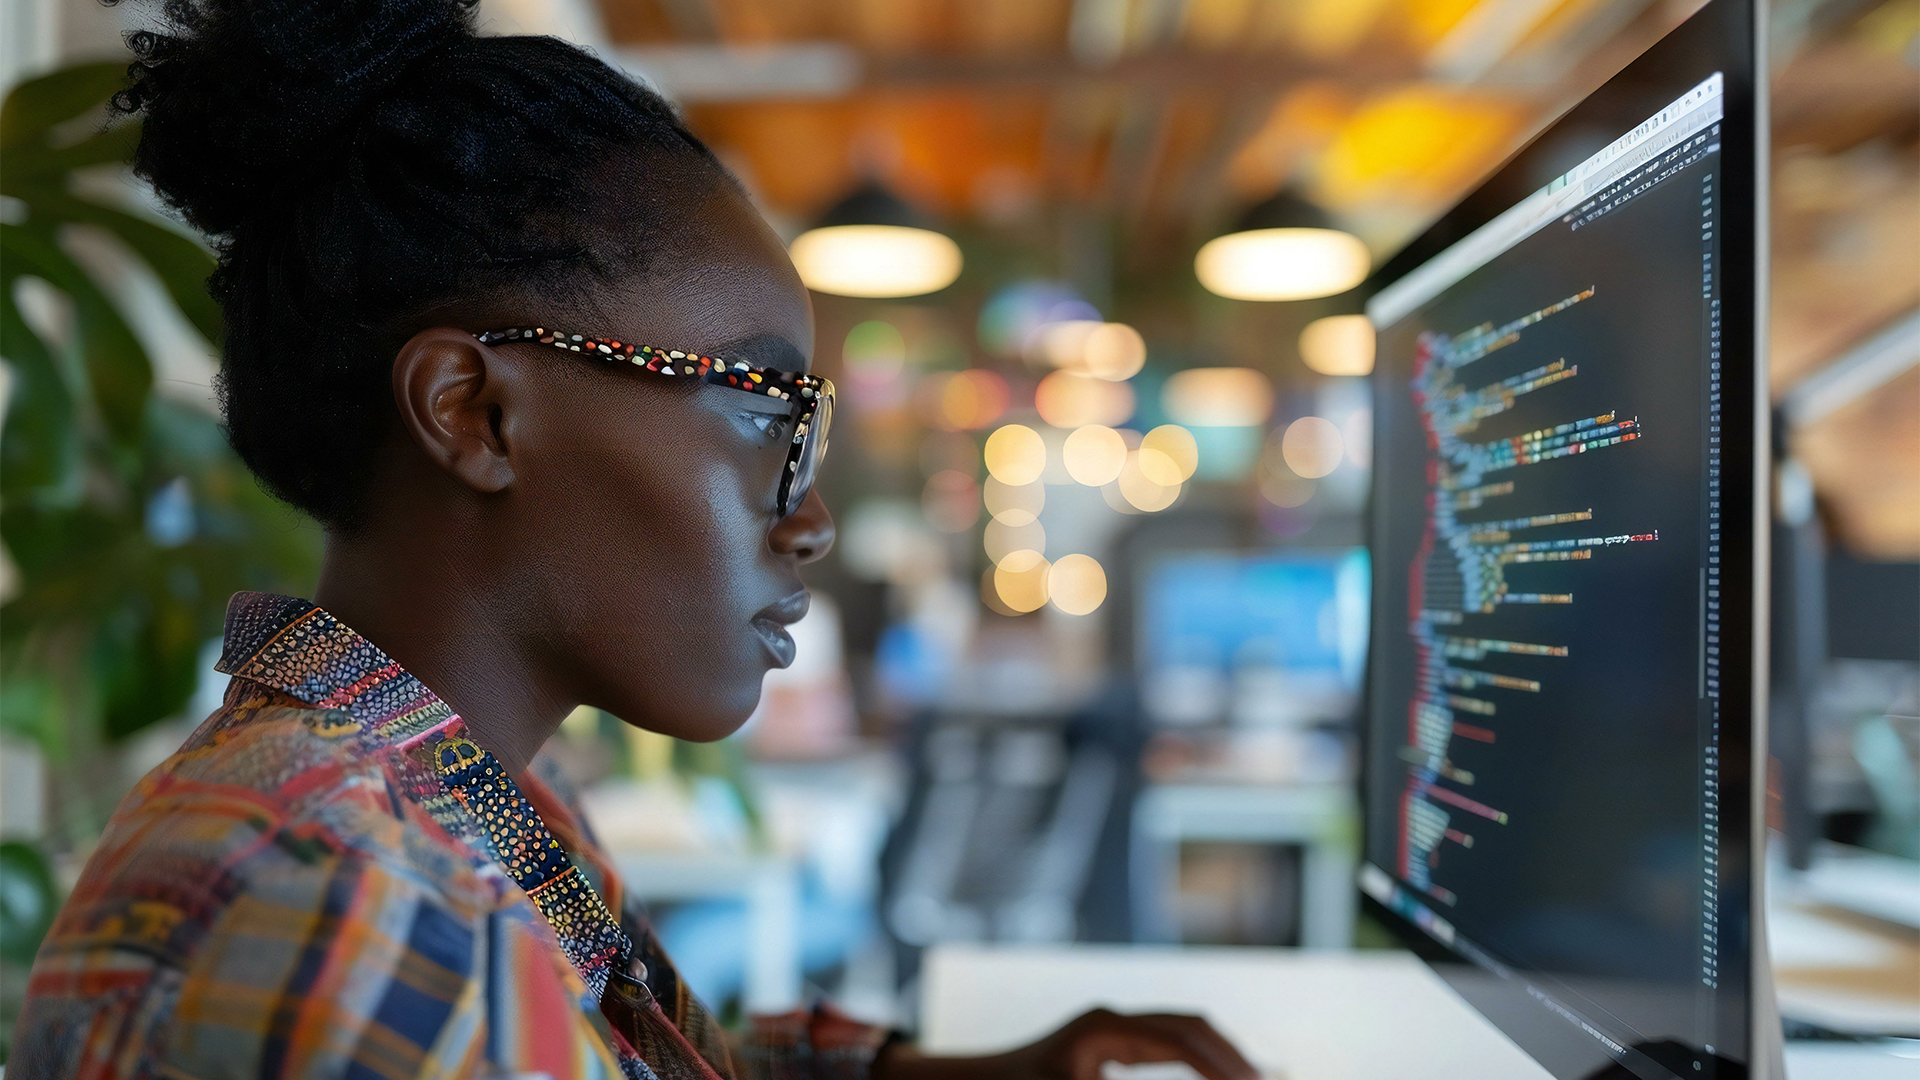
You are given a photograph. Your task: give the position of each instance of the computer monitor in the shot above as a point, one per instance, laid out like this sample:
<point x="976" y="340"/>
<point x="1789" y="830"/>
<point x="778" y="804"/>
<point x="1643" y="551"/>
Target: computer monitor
<point x="1562" y="718"/>
<point x="1254" y="638"/>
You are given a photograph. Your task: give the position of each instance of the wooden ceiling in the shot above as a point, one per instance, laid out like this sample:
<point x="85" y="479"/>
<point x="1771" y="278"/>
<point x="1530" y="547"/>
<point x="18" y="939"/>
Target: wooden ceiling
<point x="1158" y="119"/>
<point x="1168" y="113"/>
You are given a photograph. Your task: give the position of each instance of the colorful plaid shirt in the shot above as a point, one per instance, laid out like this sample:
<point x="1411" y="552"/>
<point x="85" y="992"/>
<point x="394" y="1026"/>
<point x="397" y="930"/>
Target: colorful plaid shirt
<point x="329" y="880"/>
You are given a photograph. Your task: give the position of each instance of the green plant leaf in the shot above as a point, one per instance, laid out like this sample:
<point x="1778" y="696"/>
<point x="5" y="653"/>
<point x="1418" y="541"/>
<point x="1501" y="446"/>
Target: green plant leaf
<point x="117" y="368"/>
<point x="37" y="106"/>
<point x="40" y="445"/>
<point x="26" y="167"/>
<point x="30" y="709"/>
<point x="181" y="265"/>
<point x="146" y="659"/>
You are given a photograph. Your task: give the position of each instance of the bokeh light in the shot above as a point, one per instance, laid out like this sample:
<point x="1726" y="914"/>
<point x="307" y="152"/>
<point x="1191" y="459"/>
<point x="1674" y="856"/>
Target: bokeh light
<point x="963" y="400"/>
<point x="1064" y="344"/>
<point x="1338" y="345"/>
<point x="1068" y="399"/>
<point x="1140" y="489"/>
<point x="1077" y="584"/>
<point x="1000" y="539"/>
<point x="990" y="595"/>
<point x="1157" y="466"/>
<point x="1014" y="505"/>
<point x="1114" y="352"/>
<point x="1012" y="319"/>
<point x="951" y="501"/>
<point x="875" y="350"/>
<point x="1094" y="455"/>
<point x="1279" y="484"/>
<point x="1312" y="446"/>
<point x="1218" y="397"/>
<point x="1110" y="494"/>
<point x="1178" y="445"/>
<point x="1289" y="520"/>
<point x="1015" y="455"/>
<point x="1020" y="580"/>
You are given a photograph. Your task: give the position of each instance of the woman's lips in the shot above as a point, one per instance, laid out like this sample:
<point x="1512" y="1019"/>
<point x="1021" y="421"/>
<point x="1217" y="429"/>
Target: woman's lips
<point x="772" y="621"/>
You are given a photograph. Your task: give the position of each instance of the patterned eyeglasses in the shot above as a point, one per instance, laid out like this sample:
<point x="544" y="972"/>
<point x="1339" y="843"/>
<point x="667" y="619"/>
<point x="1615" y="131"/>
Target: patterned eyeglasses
<point x="805" y="400"/>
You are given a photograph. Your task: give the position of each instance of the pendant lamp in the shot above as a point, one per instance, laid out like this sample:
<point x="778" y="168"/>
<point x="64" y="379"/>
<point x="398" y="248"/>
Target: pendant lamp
<point x="872" y="244"/>
<point x="1285" y="248"/>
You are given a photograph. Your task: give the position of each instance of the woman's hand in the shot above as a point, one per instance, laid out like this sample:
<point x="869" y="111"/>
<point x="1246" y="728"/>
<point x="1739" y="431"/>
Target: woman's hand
<point x="1076" y="1052"/>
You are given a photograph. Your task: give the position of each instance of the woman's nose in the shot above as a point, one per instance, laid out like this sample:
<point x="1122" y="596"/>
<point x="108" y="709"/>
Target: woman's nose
<point x="807" y="533"/>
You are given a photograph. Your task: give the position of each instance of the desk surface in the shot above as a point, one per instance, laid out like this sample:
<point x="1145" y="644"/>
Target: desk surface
<point x="1298" y="1015"/>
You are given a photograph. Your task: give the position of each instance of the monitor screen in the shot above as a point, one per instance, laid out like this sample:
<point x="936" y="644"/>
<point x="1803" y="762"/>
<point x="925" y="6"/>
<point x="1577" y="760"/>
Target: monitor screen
<point x="1287" y="629"/>
<point x="1559" y="700"/>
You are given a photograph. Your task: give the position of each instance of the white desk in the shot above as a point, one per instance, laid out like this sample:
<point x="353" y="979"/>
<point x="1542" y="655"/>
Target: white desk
<point x="1301" y="1015"/>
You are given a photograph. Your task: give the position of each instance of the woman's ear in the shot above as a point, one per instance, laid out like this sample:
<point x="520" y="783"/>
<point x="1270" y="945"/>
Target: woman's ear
<point x="451" y="396"/>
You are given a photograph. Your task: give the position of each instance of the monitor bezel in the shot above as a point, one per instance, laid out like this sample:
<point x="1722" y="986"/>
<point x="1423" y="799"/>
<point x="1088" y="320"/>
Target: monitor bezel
<point x="1733" y="31"/>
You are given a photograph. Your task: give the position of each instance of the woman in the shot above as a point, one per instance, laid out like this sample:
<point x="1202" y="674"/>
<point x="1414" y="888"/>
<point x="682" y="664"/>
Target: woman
<point x="517" y="340"/>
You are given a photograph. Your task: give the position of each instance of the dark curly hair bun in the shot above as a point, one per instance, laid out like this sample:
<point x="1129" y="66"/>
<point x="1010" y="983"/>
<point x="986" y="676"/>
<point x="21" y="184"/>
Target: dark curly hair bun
<point x="361" y="163"/>
<point x="262" y="89"/>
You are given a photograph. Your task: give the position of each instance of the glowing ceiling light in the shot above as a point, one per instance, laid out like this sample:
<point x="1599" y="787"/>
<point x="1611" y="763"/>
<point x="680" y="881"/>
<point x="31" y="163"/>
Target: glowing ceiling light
<point x="1338" y="345"/>
<point x="875" y="260"/>
<point x="1283" y="249"/>
<point x="874" y="245"/>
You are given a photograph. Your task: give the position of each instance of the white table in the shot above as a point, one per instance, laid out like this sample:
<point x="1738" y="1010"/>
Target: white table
<point x="1299" y="1014"/>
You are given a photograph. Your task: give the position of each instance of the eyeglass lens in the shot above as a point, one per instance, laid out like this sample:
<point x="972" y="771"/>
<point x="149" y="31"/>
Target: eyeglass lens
<point x="812" y="448"/>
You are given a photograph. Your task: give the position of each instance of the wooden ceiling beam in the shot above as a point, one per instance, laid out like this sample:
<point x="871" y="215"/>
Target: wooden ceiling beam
<point x="1160" y="69"/>
<point x="695" y="72"/>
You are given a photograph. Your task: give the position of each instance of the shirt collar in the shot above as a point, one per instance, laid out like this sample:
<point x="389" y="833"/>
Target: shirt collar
<point x="294" y="646"/>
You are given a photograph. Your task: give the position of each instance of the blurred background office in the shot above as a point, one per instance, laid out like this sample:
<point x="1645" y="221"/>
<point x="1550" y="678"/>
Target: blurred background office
<point x="1084" y="664"/>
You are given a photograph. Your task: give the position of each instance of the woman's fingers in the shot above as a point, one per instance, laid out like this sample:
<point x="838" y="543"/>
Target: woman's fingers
<point x="1163" y="1037"/>
<point x="1201" y="1038"/>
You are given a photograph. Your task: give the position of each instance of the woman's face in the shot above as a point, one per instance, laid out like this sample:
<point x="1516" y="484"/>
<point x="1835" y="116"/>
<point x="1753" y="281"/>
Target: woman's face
<point x="660" y="578"/>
